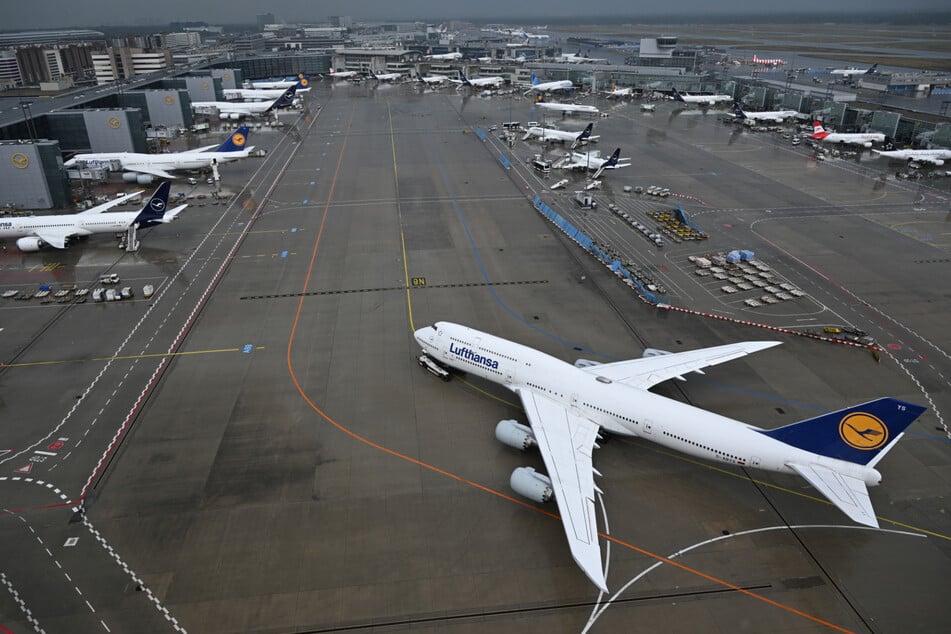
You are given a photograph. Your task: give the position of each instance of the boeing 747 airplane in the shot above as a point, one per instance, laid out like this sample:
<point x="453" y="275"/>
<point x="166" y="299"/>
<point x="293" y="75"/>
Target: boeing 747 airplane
<point x="864" y="139"/>
<point x="254" y="94"/>
<point x="935" y="157"/>
<point x="236" y="110"/>
<point x="280" y="83"/>
<point x="159" y="165"/>
<point x="567" y="406"/>
<point x="34" y="232"/>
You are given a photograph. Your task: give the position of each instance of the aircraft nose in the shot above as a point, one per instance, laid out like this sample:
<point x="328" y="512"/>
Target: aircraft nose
<point x="422" y="335"/>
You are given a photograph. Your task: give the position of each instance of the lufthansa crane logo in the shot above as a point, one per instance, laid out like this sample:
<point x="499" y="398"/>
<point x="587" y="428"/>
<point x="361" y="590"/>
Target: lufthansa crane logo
<point x="20" y="161"/>
<point x="227" y="76"/>
<point x="863" y="431"/>
<point x="204" y="84"/>
<point x="169" y="100"/>
<point x="157" y="204"/>
<point x="303" y="82"/>
<point x="238" y="139"/>
<point x="114" y="123"/>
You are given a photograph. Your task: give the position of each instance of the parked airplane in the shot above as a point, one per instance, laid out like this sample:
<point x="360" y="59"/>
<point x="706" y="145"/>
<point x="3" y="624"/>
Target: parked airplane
<point x="443" y="56"/>
<point x="159" y="165"/>
<point x="772" y="116"/>
<point x="701" y="100"/>
<point x="849" y="72"/>
<point x="568" y="109"/>
<point x="432" y="79"/>
<point x="303" y="85"/>
<point x="385" y="76"/>
<point x="479" y="82"/>
<point x="563" y="136"/>
<point x="592" y="161"/>
<point x="579" y="58"/>
<point x="343" y="74"/>
<point x="618" y="93"/>
<point x="235" y="110"/>
<point x="34" y="232"/>
<point x="566" y="407"/>
<point x="935" y="157"/>
<point x="774" y="61"/>
<point x="280" y="83"/>
<point x="549" y="86"/>
<point x="865" y="139"/>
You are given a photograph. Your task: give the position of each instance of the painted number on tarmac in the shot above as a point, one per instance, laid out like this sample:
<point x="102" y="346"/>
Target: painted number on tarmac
<point x="419" y="281"/>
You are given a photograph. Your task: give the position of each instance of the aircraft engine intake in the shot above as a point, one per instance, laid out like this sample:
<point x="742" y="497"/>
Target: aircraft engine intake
<point x="29" y="244"/>
<point x="532" y="485"/>
<point x="515" y="435"/>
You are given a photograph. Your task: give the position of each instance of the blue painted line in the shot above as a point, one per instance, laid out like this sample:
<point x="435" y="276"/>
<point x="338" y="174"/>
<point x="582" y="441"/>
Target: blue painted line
<point x="247" y="348"/>
<point x="283" y="254"/>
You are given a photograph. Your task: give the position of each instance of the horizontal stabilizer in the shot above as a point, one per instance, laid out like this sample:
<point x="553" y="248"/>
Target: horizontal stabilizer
<point x="846" y="492"/>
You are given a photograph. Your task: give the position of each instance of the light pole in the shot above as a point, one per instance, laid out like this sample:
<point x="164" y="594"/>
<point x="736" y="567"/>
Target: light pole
<point x="28" y="119"/>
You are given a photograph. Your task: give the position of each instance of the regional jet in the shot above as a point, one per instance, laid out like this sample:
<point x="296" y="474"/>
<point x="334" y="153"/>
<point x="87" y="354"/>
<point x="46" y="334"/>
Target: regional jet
<point x="237" y="110"/>
<point x="254" y="94"/>
<point x="865" y="139"/>
<point x="568" y="109"/>
<point x="772" y="116"/>
<point x="592" y="161"/>
<point x="385" y="76"/>
<point x="701" y="100"/>
<point x="549" y="86"/>
<point x="850" y="72"/>
<point x="159" y="165"/>
<point x="34" y="232"/>
<point x="935" y="157"/>
<point x="562" y="136"/>
<point x="567" y="405"/>
<point x="432" y="80"/>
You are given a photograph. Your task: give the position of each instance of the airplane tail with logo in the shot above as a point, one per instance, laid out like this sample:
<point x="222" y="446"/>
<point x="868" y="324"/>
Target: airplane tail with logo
<point x="284" y="100"/>
<point x="535" y="81"/>
<point x="154" y="209"/>
<point x="818" y="132"/>
<point x="872" y="69"/>
<point x="237" y="142"/>
<point x="303" y="83"/>
<point x="677" y="95"/>
<point x="738" y="111"/>
<point x="861" y="434"/>
<point x="612" y="161"/>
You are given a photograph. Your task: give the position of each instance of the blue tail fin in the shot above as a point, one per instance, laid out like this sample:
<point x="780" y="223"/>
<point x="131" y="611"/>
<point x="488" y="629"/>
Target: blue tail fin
<point x="236" y="142"/>
<point x="611" y="162"/>
<point x="738" y="111"/>
<point x="534" y="79"/>
<point x="302" y="82"/>
<point x="284" y="100"/>
<point x="677" y="95"/>
<point x="586" y="132"/>
<point x="861" y="434"/>
<point x="871" y="69"/>
<point x="155" y="208"/>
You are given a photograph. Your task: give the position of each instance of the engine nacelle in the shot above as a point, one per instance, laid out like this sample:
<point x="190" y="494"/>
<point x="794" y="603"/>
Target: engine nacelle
<point x="234" y="116"/>
<point x="29" y="244"/>
<point x="514" y="434"/>
<point x="867" y="144"/>
<point x="140" y="179"/>
<point x="532" y="485"/>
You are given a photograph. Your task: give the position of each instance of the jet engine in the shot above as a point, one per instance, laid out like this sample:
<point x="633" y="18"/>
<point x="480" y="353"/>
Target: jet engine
<point x="867" y="144"/>
<point x="515" y="435"/>
<point x="234" y="116"/>
<point x="530" y="484"/>
<point x="141" y="179"/>
<point x="29" y="243"/>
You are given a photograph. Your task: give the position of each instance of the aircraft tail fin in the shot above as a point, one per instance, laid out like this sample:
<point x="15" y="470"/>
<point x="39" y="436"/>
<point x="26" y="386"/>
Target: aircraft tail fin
<point x="862" y="434"/>
<point x="738" y="111"/>
<point x="677" y="95"/>
<point x="534" y="79"/>
<point x="586" y="132"/>
<point x="302" y="83"/>
<point x="612" y="161"/>
<point x="155" y="208"/>
<point x="284" y="100"/>
<point x="872" y="69"/>
<point x="237" y="141"/>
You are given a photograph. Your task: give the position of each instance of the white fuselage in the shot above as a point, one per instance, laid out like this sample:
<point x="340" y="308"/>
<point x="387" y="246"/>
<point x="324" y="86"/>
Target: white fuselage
<point x="284" y="83"/>
<point x="252" y="94"/>
<point x="619" y="408"/>
<point x="568" y="108"/>
<point x="234" y="108"/>
<point x="706" y="100"/>
<point x="865" y="139"/>
<point x="774" y="116"/>
<point x="551" y="86"/>
<point x="132" y="161"/>
<point x="935" y="157"/>
<point x="76" y="224"/>
<point x="551" y="134"/>
<point x="483" y="82"/>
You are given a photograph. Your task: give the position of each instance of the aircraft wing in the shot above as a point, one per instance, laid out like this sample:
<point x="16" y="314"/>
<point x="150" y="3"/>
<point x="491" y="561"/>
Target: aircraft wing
<point x="98" y="209"/>
<point x="55" y="236"/>
<point x="566" y="442"/>
<point x="201" y="149"/>
<point x="647" y="372"/>
<point x="151" y="169"/>
<point x="846" y="492"/>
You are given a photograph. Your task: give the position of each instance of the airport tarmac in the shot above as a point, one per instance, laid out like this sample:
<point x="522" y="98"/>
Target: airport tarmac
<point x="256" y="449"/>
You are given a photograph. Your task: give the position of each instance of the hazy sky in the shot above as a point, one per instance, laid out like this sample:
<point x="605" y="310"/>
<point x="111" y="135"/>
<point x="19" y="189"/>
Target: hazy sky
<point x="71" y="13"/>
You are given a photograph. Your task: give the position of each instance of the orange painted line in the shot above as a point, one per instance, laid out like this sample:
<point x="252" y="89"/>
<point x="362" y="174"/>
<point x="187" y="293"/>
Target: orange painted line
<point x="458" y="478"/>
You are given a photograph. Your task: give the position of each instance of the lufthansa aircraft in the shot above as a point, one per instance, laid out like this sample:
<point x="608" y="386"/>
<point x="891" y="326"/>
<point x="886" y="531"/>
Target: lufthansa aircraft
<point x="237" y="109"/>
<point x="567" y="406"/>
<point x="159" y="165"/>
<point x="34" y="232"/>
